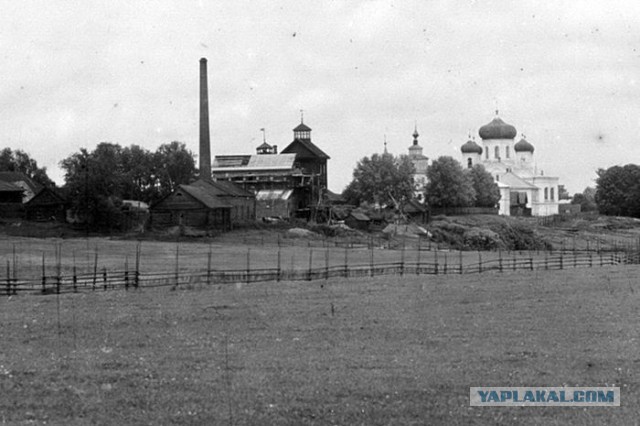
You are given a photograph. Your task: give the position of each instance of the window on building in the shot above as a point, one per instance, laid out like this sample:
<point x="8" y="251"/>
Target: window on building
<point x="486" y="154"/>
<point x="497" y="178"/>
<point x="496" y="152"/>
<point x="552" y="193"/>
<point x="546" y="194"/>
<point x="506" y="151"/>
<point x="469" y="163"/>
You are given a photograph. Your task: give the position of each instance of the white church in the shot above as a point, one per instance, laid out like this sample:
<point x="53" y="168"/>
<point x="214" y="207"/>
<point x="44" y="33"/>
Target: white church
<point x="524" y="189"/>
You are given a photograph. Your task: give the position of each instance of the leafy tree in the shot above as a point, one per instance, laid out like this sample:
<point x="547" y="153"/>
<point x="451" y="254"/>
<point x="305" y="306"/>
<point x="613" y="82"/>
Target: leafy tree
<point x="97" y="182"/>
<point x="381" y="178"/>
<point x="586" y="199"/>
<point x="173" y="165"/>
<point x="486" y="190"/>
<point x="20" y="161"/>
<point x="618" y="190"/>
<point x="448" y="185"/>
<point x="563" y="194"/>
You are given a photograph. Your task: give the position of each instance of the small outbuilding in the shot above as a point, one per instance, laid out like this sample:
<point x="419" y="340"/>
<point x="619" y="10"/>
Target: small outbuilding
<point x="192" y="206"/>
<point x="46" y="205"/>
<point x="358" y="220"/>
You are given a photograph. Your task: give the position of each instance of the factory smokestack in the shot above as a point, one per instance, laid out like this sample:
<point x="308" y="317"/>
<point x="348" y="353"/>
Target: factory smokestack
<point x="205" y="143"/>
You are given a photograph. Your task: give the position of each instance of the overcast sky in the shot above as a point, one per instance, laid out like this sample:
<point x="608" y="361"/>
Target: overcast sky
<point x="565" y="73"/>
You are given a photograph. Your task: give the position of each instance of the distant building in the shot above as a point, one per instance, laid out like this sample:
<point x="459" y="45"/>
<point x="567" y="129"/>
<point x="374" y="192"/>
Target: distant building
<point x="46" y="205"/>
<point x="29" y="187"/>
<point x="524" y="188"/>
<point x="420" y="163"/>
<point x="286" y="184"/>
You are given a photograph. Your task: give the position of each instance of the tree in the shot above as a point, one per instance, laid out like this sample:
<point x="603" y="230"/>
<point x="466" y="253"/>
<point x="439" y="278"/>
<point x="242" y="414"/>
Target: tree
<point x="20" y="161"/>
<point x="618" y="190"/>
<point x="97" y="182"/>
<point x="563" y="194"/>
<point x="448" y="185"/>
<point x="586" y="199"/>
<point x="381" y="178"/>
<point x="173" y="165"/>
<point x="486" y="190"/>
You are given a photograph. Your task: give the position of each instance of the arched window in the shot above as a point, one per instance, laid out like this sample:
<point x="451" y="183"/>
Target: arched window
<point x="469" y="163"/>
<point x="487" y="154"/>
<point x="506" y="151"/>
<point x="496" y="152"/>
<point x="546" y="194"/>
<point x="552" y="193"/>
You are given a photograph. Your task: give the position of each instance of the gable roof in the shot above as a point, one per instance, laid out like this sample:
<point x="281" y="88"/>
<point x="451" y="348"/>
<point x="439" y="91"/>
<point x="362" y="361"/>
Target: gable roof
<point x="13" y="177"/>
<point x="203" y="196"/>
<point x="46" y="196"/>
<point x="9" y="187"/>
<point x="222" y="188"/>
<point x="308" y="145"/>
<point x="515" y="182"/>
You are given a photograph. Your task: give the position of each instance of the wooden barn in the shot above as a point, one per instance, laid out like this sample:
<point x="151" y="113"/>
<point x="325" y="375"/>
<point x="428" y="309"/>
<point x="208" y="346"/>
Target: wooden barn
<point x="47" y="204"/>
<point x="10" y="200"/>
<point x="241" y="201"/>
<point x="193" y="206"/>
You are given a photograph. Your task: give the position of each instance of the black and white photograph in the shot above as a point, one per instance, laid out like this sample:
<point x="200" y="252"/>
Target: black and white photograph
<point x="332" y="212"/>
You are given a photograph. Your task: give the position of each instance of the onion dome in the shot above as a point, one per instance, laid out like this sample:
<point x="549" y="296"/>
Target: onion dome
<point x="523" y="146"/>
<point x="471" y="148"/>
<point x="497" y="129"/>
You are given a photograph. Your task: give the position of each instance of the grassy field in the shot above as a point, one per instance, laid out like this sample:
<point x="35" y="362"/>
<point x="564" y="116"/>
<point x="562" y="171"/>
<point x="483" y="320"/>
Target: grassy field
<point x="386" y="350"/>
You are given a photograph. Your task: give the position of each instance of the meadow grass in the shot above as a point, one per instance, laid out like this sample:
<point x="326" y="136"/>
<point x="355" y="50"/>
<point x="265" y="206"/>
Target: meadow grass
<point x="384" y="350"/>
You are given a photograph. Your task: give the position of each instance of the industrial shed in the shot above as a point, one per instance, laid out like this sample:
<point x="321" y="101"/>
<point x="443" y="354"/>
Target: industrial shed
<point x="194" y="206"/>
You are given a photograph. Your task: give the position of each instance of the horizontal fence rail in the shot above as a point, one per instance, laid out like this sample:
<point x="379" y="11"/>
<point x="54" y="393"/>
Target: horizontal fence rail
<point x="445" y="263"/>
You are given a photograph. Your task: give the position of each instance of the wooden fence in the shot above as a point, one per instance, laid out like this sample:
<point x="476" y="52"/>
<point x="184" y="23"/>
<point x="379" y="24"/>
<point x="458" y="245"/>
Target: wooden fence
<point x="100" y="279"/>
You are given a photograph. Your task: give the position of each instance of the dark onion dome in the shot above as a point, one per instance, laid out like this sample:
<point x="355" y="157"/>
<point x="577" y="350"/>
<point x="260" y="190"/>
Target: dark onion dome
<point x="471" y="147"/>
<point x="523" y="145"/>
<point x="497" y="129"/>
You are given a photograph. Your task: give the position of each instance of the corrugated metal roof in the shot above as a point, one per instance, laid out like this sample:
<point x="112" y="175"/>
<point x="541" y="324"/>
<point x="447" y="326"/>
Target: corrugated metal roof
<point x="274" y="194"/>
<point x="260" y="162"/>
<point x="230" y="160"/>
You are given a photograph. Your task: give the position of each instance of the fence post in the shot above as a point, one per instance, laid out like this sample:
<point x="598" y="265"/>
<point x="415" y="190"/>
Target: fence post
<point x="8" y="278"/>
<point x="562" y="260"/>
<point x="177" y="267"/>
<point x="445" y="263"/>
<point x="546" y="260"/>
<point x="95" y="269"/>
<point x="514" y="260"/>
<point x="279" y="264"/>
<point x="44" y="275"/>
<point x="126" y="272"/>
<point x="590" y="260"/>
<point x="436" y="260"/>
<point x="371" y="261"/>
<point x="346" y="262"/>
<point x="104" y="277"/>
<point x="479" y="262"/>
<point x="500" y="260"/>
<point x="137" y="276"/>
<point x="575" y="259"/>
<point x="460" y="255"/>
<point x="310" y="264"/>
<point x="75" y="275"/>
<point x="209" y="264"/>
<point x="402" y="259"/>
<point x="248" y="264"/>
<point x="530" y="262"/>
<point x="326" y="263"/>
<point x="600" y="258"/>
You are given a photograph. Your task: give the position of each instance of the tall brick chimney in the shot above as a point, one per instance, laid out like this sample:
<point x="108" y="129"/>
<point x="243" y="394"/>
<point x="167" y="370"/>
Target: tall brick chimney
<point x="205" y="143"/>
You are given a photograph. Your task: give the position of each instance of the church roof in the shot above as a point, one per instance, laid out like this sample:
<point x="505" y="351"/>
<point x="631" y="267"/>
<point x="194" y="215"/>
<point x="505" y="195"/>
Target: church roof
<point x="471" y="147"/>
<point x="497" y="129"/>
<point x="523" y="145"/>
